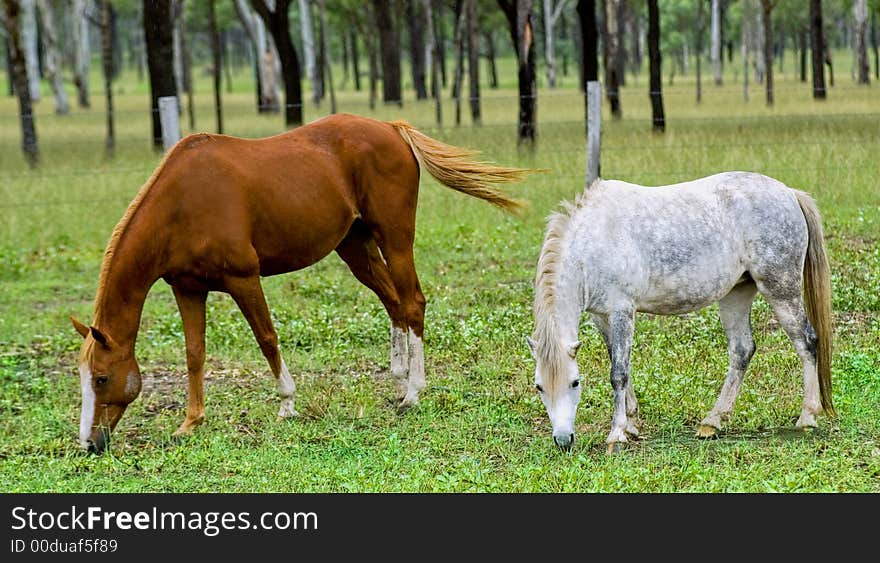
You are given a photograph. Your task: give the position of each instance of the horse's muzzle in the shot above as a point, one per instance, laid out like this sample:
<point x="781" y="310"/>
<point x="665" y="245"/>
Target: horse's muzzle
<point x="564" y="441"/>
<point x="100" y="441"/>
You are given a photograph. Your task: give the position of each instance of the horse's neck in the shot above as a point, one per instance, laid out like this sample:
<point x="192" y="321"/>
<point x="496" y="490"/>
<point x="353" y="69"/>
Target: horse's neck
<point x="130" y="272"/>
<point x="565" y="307"/>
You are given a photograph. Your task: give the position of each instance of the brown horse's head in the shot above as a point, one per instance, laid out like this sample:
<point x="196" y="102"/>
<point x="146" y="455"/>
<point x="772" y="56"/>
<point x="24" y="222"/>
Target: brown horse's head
<point x="109" y="380"/>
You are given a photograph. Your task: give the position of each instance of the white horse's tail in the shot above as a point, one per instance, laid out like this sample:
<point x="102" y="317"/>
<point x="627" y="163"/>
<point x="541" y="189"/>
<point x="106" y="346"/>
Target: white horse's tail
<point x="817" y="295"/>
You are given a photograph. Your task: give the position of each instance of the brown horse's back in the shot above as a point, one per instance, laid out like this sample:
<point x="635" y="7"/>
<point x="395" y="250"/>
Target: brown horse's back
<point x="284" y="202"/>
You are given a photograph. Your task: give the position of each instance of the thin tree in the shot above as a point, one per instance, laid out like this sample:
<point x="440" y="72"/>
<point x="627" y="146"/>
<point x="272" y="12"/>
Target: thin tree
<point x="489" y="37"/>
<point x="355" y="59"/>
<point x="610" y="56"/>
<point x="327" y="70"/>
<point x="160" y="59"/>
<point x="268" y="81"/>
<point x="216" y="63"/>
<point x="716" y="41"/>
<point x="278" y="24"/>
<point x="860" y="14"/>
<point x="12" y="23"/>
<point x="817" y="44"/>
<point x="389" y="45"/>
<point x="473" y="33"/>
<point x="552" y="11"/>
<point x="659" y="118"/>
<point x="107" y="67"/>
<point x="522" y="35"/>
<point x="52" y="57"/>
<point x="415" y="17"/>
<point x="767" y="7"/>
<point x="458" y="77"/>
<point x="29" y="42"/>
<point x="81" y="53"/>
<point x="313" y="70"/>
<point x="434" y="64"/>
<point x="698" y="47"/>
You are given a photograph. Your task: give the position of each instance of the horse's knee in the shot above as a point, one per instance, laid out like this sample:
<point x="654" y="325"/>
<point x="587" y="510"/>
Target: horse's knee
<point x="741" y="352"/>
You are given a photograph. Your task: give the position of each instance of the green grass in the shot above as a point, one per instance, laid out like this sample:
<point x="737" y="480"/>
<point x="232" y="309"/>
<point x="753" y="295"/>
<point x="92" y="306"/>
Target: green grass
<point x="480" y="425"/>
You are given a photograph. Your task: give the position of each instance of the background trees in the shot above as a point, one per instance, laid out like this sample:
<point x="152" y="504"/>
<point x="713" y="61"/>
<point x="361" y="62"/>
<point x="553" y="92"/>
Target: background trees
<point x="402" y="47"/>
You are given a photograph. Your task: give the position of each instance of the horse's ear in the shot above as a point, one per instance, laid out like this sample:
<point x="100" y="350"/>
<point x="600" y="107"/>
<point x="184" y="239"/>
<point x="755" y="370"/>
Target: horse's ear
<point x="532" y="346"/>
<point x="573" y="349"/>
<point x="100" y="337"/>
<point x="82" y="329"/>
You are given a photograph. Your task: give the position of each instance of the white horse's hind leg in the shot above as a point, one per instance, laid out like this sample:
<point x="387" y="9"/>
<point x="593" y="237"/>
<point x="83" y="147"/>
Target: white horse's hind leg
<point x="793" y="318"/>
<point x="734" y="310"/>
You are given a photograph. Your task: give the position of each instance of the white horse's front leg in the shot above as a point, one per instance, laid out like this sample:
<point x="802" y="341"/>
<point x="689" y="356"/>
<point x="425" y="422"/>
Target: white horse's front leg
<point x="621" y="326"/>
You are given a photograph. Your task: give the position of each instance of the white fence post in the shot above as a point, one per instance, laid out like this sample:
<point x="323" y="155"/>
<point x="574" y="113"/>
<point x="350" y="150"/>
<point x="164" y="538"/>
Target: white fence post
<point x="594" y="129"/>
<point x="168" y="117"/>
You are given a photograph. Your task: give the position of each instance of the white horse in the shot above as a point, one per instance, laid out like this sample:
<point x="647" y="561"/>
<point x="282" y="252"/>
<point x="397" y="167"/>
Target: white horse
<point x="622" y="248"/>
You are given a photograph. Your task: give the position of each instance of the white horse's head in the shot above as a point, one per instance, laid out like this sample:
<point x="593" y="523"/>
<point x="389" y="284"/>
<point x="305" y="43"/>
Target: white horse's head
<point x="558" y="382"/>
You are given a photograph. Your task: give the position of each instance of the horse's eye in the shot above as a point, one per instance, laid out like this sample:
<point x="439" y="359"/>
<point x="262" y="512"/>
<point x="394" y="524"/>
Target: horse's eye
<point x="101" y="380"/>
<point x="539" y="388"/>
<point x="575" y="384"/>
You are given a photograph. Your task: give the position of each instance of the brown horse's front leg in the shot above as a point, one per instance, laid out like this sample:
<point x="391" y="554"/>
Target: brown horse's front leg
<point x="192" y="312"/>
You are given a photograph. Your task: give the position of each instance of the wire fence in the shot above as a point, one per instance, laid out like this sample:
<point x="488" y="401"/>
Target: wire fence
<point x="572" y="117"/>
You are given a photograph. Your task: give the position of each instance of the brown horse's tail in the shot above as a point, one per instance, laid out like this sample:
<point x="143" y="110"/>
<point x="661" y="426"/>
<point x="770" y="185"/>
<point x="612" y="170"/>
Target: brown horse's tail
<point x="454" y="167"/>
<point x="817" y="295"/>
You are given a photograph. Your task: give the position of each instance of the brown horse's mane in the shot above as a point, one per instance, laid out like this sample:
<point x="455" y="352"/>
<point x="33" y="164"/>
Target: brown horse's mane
<point x="121" y="226"/>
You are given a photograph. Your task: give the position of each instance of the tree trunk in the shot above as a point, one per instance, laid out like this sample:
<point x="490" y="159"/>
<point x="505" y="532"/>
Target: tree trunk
<point x="187" y="76"/>
<point x="29" y="43"/>
<point x="355" y="61"/>
<point x="612" y="76"/>
<point x="81" y="53"/>
<point x="107" y="64"/>
<point x="489" y="37"/>
<point x="863" y="69"/>
<point x="818" y="47"/>
<point x="53" y="57"/>
<point x="216" y="63"/>
<point x="551" y="14"/>
<point x="620" y="57"/>
<point x="177" y="39"/>
<point x="268" y="83"/>
<point x="415" y="18"/>
<point x="473" y="32"/>
<point x="586" y="10"/>
<point x="12" y="19"/>
<point x="278" y="24"/>
<point x="10" y="89"/>
<point x="635" y="41"/>
<point x="716" y="41"/>
<point x="440" y="37"/>
<point x="435" y="63"/>
<point x="874" y="45"/>
<point x="327" y="71"/>
<point x="313" y="70"/>
<point x="519" y="18"/>
<point x="160" y="59"/>
<point x="802" y="44"/>
<point x="698" y="45"/>
<point x="767" y="23"/>
<point x="460" y="15"/>
<point x="389" y="45"/>
<point x="659" y="119"/>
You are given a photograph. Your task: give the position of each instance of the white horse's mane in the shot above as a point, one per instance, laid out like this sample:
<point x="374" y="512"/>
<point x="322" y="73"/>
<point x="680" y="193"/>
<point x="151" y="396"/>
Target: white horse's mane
<point x="548" y="345"/>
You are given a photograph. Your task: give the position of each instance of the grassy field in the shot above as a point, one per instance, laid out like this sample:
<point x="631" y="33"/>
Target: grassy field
<point x="480" y="425"/>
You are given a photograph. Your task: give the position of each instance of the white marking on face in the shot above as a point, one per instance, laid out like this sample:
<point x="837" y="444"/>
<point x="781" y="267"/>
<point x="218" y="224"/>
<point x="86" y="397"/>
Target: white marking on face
<point x="87" y="414"/>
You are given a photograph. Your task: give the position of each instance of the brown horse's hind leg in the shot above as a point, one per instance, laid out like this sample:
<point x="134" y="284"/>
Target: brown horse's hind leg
<point x="359" y="251"/>
<point x="396" y="247"/>
<point x="248" y="295"/>
<point x="192" y="313"/>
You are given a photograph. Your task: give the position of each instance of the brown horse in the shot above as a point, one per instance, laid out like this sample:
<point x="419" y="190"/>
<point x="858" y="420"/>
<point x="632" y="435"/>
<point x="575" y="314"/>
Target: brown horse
<point x="219" y="212"/>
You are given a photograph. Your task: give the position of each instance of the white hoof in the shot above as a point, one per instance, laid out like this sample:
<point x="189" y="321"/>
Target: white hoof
<point x="287" y="410"/>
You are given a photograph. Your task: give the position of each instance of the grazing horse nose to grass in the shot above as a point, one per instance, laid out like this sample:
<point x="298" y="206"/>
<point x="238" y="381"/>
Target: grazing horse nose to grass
<point x="564" y="441"/>
<point x="100" y="442"/>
